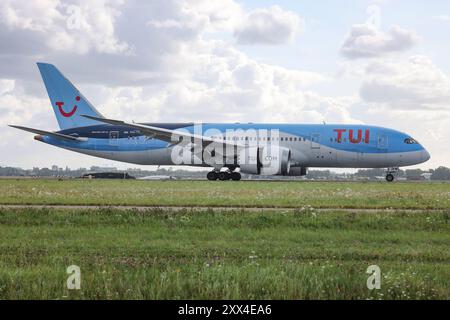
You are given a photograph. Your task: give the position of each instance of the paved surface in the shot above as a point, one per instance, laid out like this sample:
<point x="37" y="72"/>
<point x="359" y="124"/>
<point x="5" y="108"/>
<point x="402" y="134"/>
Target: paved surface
<point x="177" y="208"/>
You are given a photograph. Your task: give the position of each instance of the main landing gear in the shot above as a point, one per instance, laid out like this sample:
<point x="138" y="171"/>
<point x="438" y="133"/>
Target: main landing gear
<point x="389" y="174"/>
<point x="223" y="175"/>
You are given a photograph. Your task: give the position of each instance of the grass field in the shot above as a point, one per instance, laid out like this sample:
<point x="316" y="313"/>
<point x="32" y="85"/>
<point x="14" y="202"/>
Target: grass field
<point x="229" y="193"/>
<point x="239" y="254"/>
<point x="210" y="255"/>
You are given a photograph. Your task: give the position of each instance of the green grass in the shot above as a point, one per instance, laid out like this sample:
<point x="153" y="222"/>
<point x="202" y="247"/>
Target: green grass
<point x="159" y="254"/>
<point x="242" y="194"/>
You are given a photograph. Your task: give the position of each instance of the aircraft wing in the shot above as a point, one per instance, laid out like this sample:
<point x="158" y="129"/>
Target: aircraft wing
<point x="171" y="136"/>
<point x="50" y="134"/>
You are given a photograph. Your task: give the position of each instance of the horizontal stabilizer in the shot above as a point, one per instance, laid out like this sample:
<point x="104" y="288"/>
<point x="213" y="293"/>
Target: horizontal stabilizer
<point x="50" y="134"/>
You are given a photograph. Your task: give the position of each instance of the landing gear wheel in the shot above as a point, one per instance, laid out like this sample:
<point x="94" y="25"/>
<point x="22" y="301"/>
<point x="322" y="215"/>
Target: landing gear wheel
<point x="235" y="176"/>
<point x="212" y="176"/>
<point x="224" y="176"/>
<point x="389" y="177"/>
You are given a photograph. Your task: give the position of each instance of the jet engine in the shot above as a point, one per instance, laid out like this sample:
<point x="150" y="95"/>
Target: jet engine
<point x="269" y="160"/>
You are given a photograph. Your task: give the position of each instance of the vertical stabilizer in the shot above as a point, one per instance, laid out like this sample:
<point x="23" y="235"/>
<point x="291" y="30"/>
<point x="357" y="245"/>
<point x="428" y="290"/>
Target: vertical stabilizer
<point x="67" y="102"/>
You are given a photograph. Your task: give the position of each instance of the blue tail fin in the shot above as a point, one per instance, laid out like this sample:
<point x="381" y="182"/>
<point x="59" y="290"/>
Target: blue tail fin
<point x="67" y="102"/>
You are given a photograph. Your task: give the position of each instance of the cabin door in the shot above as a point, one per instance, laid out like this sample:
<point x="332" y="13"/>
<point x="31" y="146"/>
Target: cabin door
<point x="382" y="142"/>
<point x="114" y="138"/>
<point x="315" y="140"/>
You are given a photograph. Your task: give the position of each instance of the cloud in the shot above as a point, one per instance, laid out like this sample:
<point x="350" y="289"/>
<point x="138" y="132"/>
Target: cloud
<point x="199" y="15"/>
<point x="366" y="41"/>
<point x="269" y="26"/>
<point x="6" y="85"/>
<point x="414" y="84"/>
<point x="443" y="17"/>
<point x="53" y="25"/>
<point x="219" y="83"/>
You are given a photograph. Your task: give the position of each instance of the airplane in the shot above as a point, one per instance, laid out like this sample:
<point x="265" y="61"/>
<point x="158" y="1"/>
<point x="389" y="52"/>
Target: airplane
<point x="228" y="148"/>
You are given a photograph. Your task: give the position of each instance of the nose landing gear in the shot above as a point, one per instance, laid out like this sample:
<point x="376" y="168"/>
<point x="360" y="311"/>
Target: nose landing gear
<point x="223" y="175"/>
<point x="390" y="174"/>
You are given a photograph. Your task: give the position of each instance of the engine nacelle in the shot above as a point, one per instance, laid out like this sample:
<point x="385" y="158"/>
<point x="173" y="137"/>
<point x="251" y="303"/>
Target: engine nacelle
<point x="248" y="160"/>
<point x="269" y="160"/>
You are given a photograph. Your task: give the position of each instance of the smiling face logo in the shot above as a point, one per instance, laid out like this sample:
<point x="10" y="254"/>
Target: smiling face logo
<point x="60" y="104"/>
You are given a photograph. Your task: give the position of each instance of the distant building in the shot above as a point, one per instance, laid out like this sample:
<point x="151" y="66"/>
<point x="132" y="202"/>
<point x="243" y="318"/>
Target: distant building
<point x="427" y="175"/>
<point x="103" y="169"/>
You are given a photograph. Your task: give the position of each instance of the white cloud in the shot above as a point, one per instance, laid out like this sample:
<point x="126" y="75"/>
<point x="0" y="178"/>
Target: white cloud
<point x="186" y="20"/>
<point x="268" y="26"/>
<point x="219" y="83"/>
<point x="6" y="85"/>
<point x="366" y="41"/>
<point x="443" y="17"/>
<point x="30" y="15"/>
<point x="414" y="84"/>
<point x="54" y="25"/>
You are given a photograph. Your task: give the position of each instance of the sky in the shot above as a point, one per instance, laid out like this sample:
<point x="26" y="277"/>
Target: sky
<point x="379" y="62"/>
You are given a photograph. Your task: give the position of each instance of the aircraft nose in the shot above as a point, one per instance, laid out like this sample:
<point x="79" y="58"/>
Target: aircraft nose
<point x="425" y="155"/>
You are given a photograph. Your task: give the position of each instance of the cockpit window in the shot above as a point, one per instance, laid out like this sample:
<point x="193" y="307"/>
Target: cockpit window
<point x="411" y="141"/>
